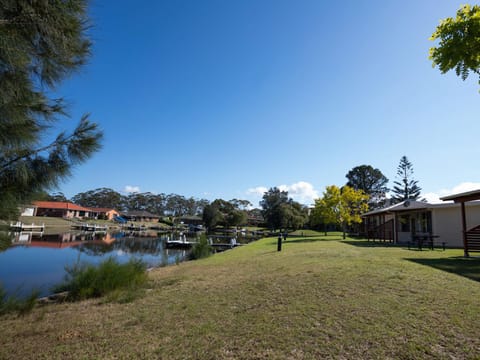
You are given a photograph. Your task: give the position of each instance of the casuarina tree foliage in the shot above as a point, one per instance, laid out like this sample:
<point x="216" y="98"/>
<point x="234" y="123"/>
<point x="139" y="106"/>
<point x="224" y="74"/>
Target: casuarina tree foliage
<point x="406" y="188"/>
<point x="41" y="44"/>
<point x="459" y="43"/>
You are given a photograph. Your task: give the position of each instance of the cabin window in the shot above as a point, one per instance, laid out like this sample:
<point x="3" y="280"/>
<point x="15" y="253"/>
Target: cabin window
<point x="404" y="223"/>
<point x="424" y="222"/>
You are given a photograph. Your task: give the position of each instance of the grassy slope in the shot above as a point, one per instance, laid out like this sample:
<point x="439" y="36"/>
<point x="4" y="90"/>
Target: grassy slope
<point x="55" y="222"/>
<point x="48" y="221"/>
<point x="315" y="299"/>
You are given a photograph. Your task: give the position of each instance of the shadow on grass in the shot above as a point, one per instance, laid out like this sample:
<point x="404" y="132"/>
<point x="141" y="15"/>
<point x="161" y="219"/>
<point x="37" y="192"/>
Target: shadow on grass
<point x="467" y="267"/>
<point x="366" y="243"/>
<point x="308" y="239"/>
<point x="305" y="239"/>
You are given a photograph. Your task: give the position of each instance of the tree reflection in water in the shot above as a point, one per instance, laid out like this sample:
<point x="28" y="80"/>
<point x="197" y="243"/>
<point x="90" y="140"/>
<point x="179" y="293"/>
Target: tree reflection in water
<point x="5" y="240"/>
<point x="152" y="246"/>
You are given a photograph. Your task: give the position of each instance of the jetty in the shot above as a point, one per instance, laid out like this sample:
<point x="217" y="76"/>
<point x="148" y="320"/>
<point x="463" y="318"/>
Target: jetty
<point x="133" y="227"/>
<point x="19" y="226"/>
<point x="230" y="245"/>
<point x="89" y="227"/>
<point x="182" y="242"/>
<point x="179" y="244"/>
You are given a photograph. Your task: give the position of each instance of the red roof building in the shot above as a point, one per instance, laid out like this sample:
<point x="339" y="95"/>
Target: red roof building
<point x="61" y="209"/>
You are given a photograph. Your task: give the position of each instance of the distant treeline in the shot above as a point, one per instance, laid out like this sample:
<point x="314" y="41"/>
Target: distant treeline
<point x="159" y="204"/>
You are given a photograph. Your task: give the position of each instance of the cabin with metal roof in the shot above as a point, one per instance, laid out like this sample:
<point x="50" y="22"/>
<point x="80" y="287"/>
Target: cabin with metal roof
<point x="470" y="233"/>
<point x="408" y="220"/>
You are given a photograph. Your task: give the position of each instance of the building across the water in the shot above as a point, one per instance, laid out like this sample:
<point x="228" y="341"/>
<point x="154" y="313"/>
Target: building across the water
<point x="104" y="213"/>
<point x="67" y="210"/>
<point x="61" y="209"/>
<point x="142" y="215"/>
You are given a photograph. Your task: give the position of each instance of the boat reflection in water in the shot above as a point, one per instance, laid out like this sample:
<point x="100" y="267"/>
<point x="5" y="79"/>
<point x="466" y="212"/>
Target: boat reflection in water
<point x="38" y="260"/>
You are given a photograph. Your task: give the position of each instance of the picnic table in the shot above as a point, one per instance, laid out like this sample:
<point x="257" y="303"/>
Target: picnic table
<point x="425" y="240"/>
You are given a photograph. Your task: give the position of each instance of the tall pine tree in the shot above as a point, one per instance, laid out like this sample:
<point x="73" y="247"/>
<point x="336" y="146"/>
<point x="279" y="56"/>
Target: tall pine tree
<point x="406" y="188"/>
<point x="41" y="44"/>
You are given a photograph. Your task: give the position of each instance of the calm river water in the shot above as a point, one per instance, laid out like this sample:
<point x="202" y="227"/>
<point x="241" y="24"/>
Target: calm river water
<point x="34" y="261"/>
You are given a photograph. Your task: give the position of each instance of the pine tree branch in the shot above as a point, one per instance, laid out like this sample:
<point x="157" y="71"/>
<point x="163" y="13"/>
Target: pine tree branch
<point x="82" y="129"/>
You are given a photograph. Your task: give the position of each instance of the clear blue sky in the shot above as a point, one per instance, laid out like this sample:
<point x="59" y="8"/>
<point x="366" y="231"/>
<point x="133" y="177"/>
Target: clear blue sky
<point x="213" y="98"/>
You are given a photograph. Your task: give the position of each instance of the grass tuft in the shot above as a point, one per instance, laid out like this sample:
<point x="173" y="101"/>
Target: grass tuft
<point x="17" y="304"/>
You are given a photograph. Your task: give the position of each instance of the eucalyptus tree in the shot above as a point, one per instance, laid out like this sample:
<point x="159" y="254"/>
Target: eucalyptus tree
<point x="141" y="201"/>
<point x="176" y="205"/>
<point x="41" y="44"/>
<point x="200" y="205"/>
<point x="241" y="204"/>
<point x="101" y="197"/>
<point x="57" y="196"/>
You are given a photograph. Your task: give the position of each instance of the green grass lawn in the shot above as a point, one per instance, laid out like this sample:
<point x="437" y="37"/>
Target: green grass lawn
<point x="318" y="298"/>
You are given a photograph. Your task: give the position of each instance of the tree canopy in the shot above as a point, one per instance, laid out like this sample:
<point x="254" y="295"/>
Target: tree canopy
<point x="340" y="206"/>
<point x="272" y="210"/>
<point x="100" y="198"/>
<point x="41" y="44"/>
<point x="406" y="187"/>
<point x="371" y="181"/>
<point x="281" y="212"/>
<point x="225" y="213"/>
<point x="459" y="43"/>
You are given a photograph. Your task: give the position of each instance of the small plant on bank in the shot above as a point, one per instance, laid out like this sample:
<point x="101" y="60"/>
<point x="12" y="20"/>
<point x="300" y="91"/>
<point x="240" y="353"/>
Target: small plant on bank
<point x="120" y="281"/>
<point x="201" y="249"/>
<point x="14" y="303"/>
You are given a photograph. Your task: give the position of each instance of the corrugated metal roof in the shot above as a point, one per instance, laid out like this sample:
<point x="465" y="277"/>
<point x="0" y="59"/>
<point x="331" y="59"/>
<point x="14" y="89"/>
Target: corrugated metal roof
<point x="467" y="194"/>
<point x="402" y="206"/>
<point x="414" y="205"/>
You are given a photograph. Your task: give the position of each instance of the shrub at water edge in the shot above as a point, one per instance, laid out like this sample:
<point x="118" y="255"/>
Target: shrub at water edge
<point x="85" y="281"/>
<point x="201" y="249"/>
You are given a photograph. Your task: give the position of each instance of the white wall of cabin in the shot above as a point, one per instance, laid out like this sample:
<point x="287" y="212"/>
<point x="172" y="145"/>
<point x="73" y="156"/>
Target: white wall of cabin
<point x="447" y="222"/>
